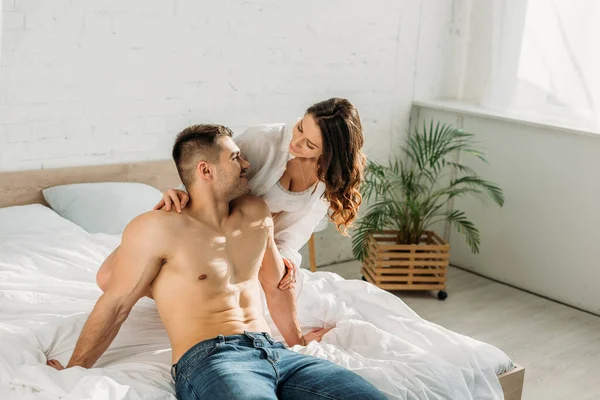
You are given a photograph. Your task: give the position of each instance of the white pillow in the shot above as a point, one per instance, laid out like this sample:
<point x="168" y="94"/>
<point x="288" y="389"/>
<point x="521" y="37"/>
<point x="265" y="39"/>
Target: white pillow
<point x="32" y="218"/>
<point x="102" y="207"/>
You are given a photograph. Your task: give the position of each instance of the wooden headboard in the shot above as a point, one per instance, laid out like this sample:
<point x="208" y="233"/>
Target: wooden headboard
<point x="25" y="187"/>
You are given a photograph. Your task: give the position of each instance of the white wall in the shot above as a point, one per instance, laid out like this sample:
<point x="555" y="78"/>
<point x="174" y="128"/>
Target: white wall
<point x="86" y="82"/>
<point x="545" y="238"/>
<point x="97" y="82"/>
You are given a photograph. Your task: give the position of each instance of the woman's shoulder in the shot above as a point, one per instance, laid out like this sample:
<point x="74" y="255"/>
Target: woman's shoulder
<point x="259" y="133"/>
<point x="263" y="146"/>
<point x="318" y="194"/>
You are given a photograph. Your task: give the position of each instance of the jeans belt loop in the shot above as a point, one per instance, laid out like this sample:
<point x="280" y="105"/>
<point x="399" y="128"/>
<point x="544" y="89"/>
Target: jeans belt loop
<point x="174" y="372"/>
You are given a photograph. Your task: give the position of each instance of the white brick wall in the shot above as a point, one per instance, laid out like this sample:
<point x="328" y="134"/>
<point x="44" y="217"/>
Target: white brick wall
<point x="95" y="82"/>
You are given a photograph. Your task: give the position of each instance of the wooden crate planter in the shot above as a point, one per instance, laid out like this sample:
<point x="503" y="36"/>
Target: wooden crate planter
<point x="422" y="266"/>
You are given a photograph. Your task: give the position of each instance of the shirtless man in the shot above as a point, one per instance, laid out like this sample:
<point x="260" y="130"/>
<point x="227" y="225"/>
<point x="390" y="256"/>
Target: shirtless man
<point x="203" y="268"/>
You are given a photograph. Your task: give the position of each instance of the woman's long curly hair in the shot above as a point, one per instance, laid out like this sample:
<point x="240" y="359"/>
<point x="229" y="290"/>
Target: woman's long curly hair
<point x="342" y="162"/>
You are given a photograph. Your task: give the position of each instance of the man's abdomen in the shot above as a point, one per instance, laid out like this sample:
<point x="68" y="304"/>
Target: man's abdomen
<point x="190" y="320"/>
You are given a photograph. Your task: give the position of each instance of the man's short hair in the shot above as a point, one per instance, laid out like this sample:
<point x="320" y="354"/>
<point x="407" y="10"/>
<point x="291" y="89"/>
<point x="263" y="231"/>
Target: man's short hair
<point x="194" y="144"/>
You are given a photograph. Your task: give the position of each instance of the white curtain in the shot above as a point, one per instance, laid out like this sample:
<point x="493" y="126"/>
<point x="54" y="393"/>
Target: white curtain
<point x="533" y="58"/>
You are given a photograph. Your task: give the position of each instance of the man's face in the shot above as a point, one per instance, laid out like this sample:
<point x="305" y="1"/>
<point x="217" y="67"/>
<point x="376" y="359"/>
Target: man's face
<point x="230" y="171"/>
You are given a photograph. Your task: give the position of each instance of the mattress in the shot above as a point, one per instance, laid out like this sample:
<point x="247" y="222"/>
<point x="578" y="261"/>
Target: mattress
<point x="47" y="290"/>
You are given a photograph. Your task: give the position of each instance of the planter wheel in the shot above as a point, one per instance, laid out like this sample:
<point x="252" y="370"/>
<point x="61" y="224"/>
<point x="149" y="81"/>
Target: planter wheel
<point x="364" y="279"/>
<point x="442" y="295"/>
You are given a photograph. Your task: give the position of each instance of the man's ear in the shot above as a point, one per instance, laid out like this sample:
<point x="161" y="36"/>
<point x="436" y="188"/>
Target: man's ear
<point x="204" y="170"/>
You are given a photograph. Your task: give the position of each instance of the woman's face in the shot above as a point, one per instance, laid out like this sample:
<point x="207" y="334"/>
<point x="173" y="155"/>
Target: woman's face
<point x="307" y="141"/>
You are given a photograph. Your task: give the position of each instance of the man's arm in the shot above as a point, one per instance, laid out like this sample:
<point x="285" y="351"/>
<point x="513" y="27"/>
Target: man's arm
<point x="281" y="303"/>
<point x="136" y="263"/>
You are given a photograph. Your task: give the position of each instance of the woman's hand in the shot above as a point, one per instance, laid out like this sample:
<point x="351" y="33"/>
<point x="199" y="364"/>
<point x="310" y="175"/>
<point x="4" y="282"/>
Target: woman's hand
<point x="315" y="334"/>
<point x="173" y="198"/>
<point x="55" y="364"/>
<point x="289" y="279"/>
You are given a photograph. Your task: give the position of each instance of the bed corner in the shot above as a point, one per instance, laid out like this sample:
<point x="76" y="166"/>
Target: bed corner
<point x="512" y="383"/>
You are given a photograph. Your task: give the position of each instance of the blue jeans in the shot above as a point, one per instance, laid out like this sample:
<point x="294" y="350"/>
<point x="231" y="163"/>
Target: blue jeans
<point x="253" y="366"/>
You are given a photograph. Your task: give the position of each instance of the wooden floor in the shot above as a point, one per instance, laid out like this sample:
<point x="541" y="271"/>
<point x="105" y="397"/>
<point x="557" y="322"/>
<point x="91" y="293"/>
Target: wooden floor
<point x="559" y="346"/>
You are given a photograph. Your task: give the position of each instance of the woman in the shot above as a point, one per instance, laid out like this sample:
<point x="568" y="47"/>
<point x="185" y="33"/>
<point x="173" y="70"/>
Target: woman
<point x="301" y="170"/>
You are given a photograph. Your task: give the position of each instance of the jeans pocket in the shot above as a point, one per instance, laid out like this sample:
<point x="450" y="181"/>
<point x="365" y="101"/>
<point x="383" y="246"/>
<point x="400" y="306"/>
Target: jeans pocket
<point x="191" y="362"/>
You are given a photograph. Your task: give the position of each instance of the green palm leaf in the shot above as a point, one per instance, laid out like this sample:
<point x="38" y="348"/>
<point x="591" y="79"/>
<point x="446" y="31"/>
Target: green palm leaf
<point x="378" y="217"/>
<point x="492" y="189"/>
<point x="459" y="220"/>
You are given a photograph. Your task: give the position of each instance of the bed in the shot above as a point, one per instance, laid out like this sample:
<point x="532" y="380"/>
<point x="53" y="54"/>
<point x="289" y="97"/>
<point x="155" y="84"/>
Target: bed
<point x="47" y="289"/>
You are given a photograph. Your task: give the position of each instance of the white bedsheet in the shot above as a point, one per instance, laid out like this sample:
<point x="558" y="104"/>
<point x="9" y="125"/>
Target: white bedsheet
<point x="47" y="289"/>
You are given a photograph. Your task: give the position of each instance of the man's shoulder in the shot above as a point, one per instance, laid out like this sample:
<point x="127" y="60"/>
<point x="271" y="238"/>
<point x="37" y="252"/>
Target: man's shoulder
<point x="152" y="217"/>
<point x="252" y="205"/>
<point x="150" y="223"/>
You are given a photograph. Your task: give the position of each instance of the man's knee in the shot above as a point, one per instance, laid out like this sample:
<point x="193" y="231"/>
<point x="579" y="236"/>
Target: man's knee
<point x="350" y="382"/>
<point x="325" y="379"/>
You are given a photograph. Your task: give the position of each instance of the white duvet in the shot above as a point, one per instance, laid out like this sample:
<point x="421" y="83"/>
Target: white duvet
<point x="47" y="289"/>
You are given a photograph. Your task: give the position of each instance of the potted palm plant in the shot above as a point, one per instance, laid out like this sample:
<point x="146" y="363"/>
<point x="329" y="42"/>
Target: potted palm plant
<point x="393" y="239"/>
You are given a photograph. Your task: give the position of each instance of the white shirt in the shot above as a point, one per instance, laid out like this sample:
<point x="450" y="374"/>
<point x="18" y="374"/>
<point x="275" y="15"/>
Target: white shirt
<point x="280" y="199"/>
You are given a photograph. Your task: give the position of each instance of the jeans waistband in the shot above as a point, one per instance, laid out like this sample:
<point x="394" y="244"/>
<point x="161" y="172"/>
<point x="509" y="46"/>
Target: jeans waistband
<point x="248" y="338"/>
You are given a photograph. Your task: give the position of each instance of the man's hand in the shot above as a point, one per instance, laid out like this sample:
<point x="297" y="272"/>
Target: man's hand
<point x="315" y="334"/>
<point x="289" y="279"/>
<point x="55" y="364"/>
